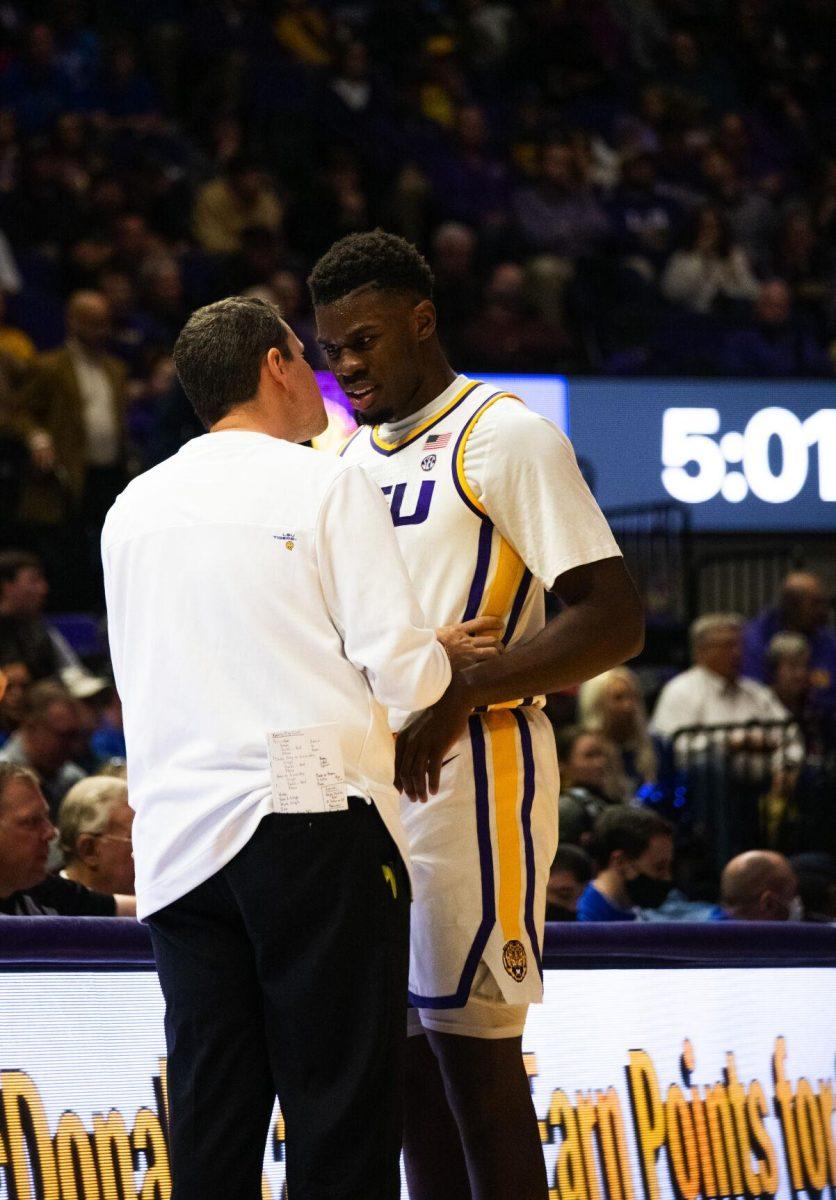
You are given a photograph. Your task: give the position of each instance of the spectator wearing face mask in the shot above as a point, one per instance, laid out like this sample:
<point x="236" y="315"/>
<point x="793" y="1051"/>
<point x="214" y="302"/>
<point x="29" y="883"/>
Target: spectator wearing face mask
<point x="633" y="849"/>
<point x="759" y="885"/>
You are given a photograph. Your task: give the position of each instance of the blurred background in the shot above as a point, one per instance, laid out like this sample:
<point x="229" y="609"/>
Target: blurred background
<point x="633" y="201"/>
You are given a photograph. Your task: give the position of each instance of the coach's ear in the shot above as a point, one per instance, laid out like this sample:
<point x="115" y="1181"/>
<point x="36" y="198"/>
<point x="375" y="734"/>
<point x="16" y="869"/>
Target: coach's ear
<point x="424" y="316"/>
<point x="275" y="364"/>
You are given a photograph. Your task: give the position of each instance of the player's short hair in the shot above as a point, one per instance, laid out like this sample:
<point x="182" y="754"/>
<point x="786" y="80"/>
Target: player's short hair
<point x="625" y="828"/>
<point x="375" y="260"/>
<point x="219" y="353"/>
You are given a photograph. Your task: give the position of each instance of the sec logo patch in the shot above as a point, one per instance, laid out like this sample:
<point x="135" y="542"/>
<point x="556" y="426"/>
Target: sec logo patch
<point x="428" y="463"/>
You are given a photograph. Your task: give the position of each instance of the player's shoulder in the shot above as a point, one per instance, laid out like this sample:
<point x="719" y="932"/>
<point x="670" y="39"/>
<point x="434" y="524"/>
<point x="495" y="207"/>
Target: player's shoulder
<point x="510" y="424"/>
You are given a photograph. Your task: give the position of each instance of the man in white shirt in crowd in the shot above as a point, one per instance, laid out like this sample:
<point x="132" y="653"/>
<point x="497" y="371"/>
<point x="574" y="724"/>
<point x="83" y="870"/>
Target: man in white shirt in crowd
<point x="713" y="692"/>
<point x="261" y="621"/>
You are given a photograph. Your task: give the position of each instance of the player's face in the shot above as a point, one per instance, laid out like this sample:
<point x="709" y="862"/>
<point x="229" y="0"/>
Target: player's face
<point x="372" y="343"/>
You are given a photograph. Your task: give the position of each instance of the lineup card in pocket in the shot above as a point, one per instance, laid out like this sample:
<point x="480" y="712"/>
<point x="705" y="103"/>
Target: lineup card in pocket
<point x="306" y="770"/>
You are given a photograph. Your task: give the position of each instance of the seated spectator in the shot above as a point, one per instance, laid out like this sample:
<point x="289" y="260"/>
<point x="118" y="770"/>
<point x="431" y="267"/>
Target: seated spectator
<point x="93" y="694"/>
<point x="645" y="218"/>
<point x="48" y="739"/>
<point x="107" y="741"/>
<point x="613" y="704"/>
<point x="788" y="671"/>
<point x="571" y="871"/>
<point x="26" y="832"/>
<point x="559" y="213"/>
<point x="14" y="685"/>
<point x="133" y="333"/>
<point x="776" y="344"/>
<point x="712" y="692"/>
<point x="708" y="266"/>
<point x="633" y="850"/>
<point x="235" y="201"/>
<point x="802" y="608"/>
<point x="748" y="212"/>
<point x="24" y="634"/>
<point x="505" y="333"/>
<point x="816" y="874"/>
<point x="94" y="832"/>
<point x="759" y="885"/>
<point x="588" y="781"/>
<point x="453" y="262"/>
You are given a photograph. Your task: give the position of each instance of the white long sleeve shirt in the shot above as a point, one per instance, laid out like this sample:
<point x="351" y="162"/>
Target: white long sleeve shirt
<point x="253" y="586"/>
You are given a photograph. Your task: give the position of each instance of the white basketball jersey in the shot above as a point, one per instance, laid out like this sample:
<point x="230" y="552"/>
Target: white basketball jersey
<point x="460" y="564"/>
<point x="484" y="536"/>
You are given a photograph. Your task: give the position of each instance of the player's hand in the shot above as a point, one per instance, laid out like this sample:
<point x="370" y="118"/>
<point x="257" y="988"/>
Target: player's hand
<point x="420" y="748"/>
<point x="471" y="641"/>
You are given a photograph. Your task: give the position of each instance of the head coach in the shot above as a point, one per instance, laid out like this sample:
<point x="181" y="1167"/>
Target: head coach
<point x="261" y="621"/>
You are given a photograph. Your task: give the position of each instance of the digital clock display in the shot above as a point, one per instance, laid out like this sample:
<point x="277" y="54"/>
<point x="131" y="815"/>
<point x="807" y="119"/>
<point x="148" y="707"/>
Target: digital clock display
<point x="741" y="455"/>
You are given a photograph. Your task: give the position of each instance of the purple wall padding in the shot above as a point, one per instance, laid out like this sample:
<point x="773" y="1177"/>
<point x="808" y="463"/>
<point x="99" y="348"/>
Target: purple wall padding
<point x="86" y="942"/>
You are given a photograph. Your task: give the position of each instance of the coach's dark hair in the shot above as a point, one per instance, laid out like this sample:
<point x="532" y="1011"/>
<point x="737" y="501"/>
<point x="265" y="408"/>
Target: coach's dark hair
<point x="377" y="260"/>
<point x="219" y="353"/>
<point x="624" y="828"/>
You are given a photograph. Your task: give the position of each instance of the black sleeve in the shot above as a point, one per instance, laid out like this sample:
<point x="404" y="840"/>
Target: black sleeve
<point x="68" y="899"/>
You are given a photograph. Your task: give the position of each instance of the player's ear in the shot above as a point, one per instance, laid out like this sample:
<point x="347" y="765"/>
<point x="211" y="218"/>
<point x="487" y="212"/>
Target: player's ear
<point x="424" y="317"/>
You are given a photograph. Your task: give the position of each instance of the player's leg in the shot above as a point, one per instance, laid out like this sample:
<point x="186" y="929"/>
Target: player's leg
<point x="218" y="1066"/>
<point x="433" y="1156"/>
<point x="334" y="978"/>
<point x="489" y="1094"/>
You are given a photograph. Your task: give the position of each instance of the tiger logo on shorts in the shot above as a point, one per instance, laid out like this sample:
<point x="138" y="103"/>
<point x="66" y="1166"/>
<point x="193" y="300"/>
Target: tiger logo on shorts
<point x="514" y="960"/>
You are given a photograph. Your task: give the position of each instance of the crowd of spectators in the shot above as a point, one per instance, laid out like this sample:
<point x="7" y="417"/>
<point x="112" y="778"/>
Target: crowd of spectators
<point x="688" y="815"/>
<point x="607" y="186"/>
<point x="589" y="178"/>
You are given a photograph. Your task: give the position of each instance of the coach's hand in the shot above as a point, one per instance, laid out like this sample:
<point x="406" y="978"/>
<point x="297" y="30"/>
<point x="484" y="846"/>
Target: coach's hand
<point x="420" y="748"/>
<point x="471" y="641"/>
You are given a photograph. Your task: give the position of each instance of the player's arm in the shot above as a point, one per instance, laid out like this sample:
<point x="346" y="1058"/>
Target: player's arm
<point x="601" y="625"/>
<point x="526" y="478"/>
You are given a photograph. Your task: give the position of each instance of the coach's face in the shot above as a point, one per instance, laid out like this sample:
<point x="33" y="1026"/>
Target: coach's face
<point x="305" y="406"/>
<point x="373" y="341"/>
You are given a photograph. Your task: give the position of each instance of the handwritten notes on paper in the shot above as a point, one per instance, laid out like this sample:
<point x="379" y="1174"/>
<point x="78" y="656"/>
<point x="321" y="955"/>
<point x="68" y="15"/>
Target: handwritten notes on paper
<point x="306" y="770"/>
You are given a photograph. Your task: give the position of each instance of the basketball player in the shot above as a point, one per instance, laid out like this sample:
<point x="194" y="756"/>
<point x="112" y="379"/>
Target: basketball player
<point x="490" y="509"/>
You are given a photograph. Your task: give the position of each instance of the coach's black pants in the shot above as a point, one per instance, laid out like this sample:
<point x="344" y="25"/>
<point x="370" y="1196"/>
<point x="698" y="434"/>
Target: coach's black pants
<point x="286" y="973"/>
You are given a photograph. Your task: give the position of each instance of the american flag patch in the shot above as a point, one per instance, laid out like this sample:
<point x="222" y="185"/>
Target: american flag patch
<point x="436" y="441"/>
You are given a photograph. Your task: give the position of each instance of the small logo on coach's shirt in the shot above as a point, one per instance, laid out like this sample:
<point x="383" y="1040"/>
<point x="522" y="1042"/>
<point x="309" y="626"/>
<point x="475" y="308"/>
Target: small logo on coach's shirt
<point x="428" y="463"/>
<point x="289" y="539"/>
